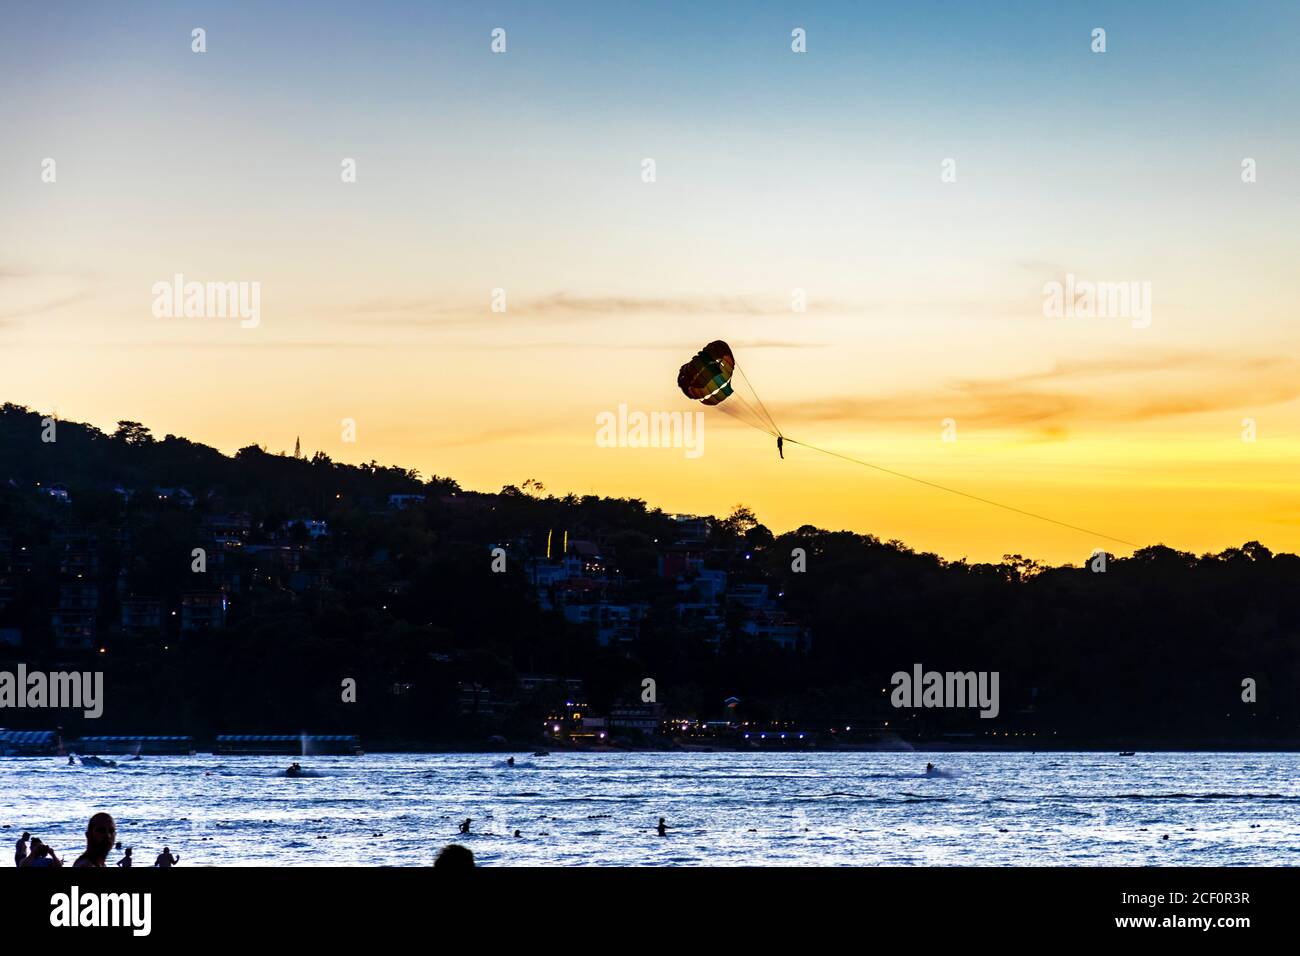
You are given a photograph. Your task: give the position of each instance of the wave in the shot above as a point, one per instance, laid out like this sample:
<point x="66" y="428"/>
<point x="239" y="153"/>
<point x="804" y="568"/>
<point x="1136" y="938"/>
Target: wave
<point x="880" y="798"/>
<point x="1280" y="797"/>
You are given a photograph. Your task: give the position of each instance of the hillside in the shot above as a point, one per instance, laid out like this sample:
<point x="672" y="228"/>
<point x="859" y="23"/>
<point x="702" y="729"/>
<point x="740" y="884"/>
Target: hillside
<point x="315" y="571"/>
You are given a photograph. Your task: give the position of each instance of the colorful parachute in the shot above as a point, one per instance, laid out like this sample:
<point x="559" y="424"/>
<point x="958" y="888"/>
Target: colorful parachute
<point x="707" y="377"/>
<point x="712" y="377"/>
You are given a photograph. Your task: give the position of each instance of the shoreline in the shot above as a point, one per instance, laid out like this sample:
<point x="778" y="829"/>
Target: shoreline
<point x="389" y="748"/>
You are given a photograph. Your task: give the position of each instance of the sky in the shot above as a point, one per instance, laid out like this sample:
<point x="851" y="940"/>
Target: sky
<point x="826" y="175"/>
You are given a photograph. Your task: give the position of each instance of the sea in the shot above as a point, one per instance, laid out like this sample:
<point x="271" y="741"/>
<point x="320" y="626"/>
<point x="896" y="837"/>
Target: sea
<point x="721" y="809"/>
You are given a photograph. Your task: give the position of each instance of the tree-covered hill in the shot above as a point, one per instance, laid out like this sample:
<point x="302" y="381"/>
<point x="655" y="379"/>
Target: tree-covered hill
<point x="316" y="572"/>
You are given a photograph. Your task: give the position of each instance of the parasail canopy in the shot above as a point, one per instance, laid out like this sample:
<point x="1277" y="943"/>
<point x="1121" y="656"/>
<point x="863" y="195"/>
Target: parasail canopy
<point x="712" y="377"/>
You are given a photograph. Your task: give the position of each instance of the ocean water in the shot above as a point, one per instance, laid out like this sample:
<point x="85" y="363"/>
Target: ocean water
<point x="856" y="809"/>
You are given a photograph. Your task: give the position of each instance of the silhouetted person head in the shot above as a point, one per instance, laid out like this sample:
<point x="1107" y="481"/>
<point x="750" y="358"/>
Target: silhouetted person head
<point x="26" y="835"/>
<point x="455" y="856"/>
<point x="101" y="834"/>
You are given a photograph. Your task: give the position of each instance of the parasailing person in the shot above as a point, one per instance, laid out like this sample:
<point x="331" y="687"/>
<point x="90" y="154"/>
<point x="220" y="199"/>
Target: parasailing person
<point x="713" y="377"/>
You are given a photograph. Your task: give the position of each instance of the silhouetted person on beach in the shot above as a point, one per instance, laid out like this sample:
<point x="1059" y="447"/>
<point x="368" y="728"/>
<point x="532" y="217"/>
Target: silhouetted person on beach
<point x="165" y="859"/>
<point x="662" y="828"/>
<point x="464" y="827"/>
<point x="101" y="834"/>
<point x="780" y="443"/>
<point x="20" y="848"/>
<point x="41" y="856"/>
<point x="126" y="860"/>
<point x="455" y="857"/>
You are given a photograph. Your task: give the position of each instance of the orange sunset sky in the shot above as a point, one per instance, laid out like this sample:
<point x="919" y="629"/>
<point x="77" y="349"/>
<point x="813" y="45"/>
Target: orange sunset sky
<point x="775" y="172"/>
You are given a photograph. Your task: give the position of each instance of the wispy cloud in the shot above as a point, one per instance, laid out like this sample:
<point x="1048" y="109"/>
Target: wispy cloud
<point x="43" y="307"/>
<point x="682" y="347"/>
<point x="568" y="306"/>
<point x="26" y="293"/>
<point x="1054" y="399"/>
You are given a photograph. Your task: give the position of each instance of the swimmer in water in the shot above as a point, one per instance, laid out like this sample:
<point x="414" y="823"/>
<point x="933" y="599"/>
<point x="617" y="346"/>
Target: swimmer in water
<point x="662" y="828"/>
<point x="929" y="768"/>
<point x="464" y="827"/>
<point x="510" y="762"/>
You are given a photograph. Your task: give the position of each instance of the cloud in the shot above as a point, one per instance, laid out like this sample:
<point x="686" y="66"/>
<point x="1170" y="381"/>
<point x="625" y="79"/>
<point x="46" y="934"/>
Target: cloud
<point x="25" y="293"/>
<point x="43" y="307"/>
<point x="567" y="306"/>
<point x="1161" y="386"/>
<point x="428" y="434"/>
<point x="683" y="347"/>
